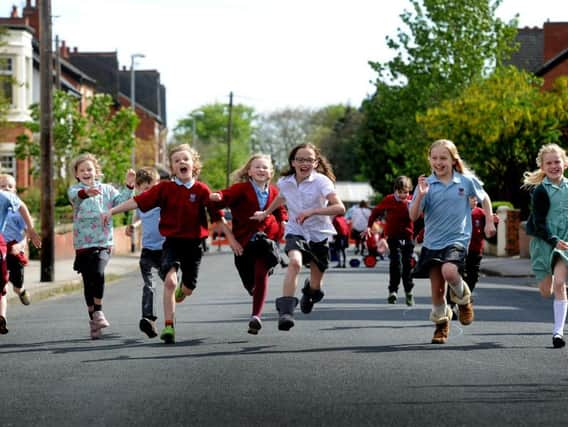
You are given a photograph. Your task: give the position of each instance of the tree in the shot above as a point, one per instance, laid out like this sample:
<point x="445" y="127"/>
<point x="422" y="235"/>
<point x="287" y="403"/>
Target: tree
<point x="447" y="45"/>
<point x="499" y="124"/>
<point x="107" y="135"/>
<point x="211" y="143"/>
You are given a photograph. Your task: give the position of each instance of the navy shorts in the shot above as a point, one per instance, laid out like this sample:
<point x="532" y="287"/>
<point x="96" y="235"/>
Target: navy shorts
<point x="317" y="252"/>
<point x="431" y="257"/>
<point x="184" y="254"/>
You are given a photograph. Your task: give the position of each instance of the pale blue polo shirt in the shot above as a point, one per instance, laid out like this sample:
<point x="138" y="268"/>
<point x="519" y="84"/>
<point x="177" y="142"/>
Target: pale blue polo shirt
<point x="151" y="237"/>
<point x="447" y="213"/>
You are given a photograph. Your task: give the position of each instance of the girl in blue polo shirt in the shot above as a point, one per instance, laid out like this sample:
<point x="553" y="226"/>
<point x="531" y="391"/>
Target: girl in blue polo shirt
<point x="443" y="199"/>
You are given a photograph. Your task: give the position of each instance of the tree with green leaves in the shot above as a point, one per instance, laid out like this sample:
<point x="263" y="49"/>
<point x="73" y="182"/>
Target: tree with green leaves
<point x="212" y="138"/>
<point x="499" y="124"/>
<point x="108" y="135"/>
<point x="444" y="47"/>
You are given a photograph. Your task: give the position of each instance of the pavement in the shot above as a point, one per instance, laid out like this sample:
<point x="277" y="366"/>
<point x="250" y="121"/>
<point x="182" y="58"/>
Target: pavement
<point x="66" y="279"/>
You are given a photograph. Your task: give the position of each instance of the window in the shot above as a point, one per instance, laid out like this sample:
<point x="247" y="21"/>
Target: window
<point x="8" y="164"/>
<point x="6" y="79"/>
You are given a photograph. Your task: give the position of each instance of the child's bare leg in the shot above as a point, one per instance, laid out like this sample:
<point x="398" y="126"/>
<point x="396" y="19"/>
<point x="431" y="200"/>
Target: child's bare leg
<point x="560" y="305"/>
<point x="316" y="276"/>
<point x="545" y="286"/>
<point x="437" y="286"/>
<point x="292" y="272"/>
<point x="170" y="283"/>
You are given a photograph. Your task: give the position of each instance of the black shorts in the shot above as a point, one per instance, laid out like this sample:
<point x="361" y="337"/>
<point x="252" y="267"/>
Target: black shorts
<point x="184" y="254"/>
<point x="317" y="252"/>
<point x="431" y="257"/>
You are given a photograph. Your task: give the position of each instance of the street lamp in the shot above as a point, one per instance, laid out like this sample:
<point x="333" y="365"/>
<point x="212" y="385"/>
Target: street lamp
<point x="133" y="99"/>
<point x="194" y="115"/>
<point x="133" y="153"/>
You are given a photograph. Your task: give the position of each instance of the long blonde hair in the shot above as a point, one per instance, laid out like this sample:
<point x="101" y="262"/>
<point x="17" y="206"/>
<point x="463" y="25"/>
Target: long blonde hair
<point x="241" y="174"/>
<point x="532" y="179"/>
<point x="459" y="164"/>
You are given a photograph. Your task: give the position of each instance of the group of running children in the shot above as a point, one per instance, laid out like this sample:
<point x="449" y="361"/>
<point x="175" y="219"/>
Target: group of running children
<point x="173" y="212"/>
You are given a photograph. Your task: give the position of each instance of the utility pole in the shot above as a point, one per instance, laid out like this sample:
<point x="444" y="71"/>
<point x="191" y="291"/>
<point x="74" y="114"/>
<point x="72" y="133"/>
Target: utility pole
<point x="229" y="132"/>
<point x="57" y="65"/>
<point x="47" y="203"/>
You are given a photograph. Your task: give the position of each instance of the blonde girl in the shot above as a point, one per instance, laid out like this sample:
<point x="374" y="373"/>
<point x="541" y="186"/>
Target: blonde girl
<point x="254" y="243"/>
<point x="183" y="202"/>
<point x="92" y="238"/>
<point x="548" y="224"/>
<point x="443" y="198"/>
<point x="307" y="188"/>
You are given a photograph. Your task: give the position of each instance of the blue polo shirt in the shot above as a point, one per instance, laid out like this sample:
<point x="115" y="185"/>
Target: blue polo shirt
<point x="447" y="213"/>
<point x="7" y="201"/>
<point x="151" y="237"/>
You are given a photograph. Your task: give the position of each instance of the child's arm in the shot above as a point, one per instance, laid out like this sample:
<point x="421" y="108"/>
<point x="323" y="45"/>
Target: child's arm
<point x="122" y="207"/>
<point x="334" y="207"/>
<point x="262" y="215"/>
<point x="489" y="228"/>
<point x="30" y="231"/>
<point x="415" y="209"/>
<point x="226" y="230"/>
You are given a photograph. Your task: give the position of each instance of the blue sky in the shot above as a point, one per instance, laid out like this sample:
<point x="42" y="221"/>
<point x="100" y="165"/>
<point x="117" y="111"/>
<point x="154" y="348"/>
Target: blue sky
<point x="271" y="53"/>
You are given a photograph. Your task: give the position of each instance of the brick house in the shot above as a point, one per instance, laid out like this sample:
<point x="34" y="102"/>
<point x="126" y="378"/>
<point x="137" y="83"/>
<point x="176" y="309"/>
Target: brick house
<point x="543" y="51"/>
<point x="81" y="75"/>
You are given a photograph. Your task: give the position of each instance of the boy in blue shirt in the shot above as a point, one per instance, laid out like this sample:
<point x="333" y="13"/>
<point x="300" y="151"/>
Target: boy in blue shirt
<point x="151" y="255"/>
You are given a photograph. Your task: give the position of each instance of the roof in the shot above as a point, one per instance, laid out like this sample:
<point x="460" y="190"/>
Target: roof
<point x="352" y="192"/>
<point x="150" y="94"/>
<point x="102" y="66"/>
<point x="530" y="55"/>
<point x="553" y="62"/>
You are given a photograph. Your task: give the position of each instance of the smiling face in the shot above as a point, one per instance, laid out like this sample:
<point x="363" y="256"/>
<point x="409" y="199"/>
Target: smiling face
<point x="260" y="170"/>
<point x="8" y="183"/>
<point x="402" y="193"/>
<point x="304" y="162"/>
<point x="441" y="162"/>
<point x="182" y="165"/>
<point x="553" y="166"/>
<point x="86" y="173"/>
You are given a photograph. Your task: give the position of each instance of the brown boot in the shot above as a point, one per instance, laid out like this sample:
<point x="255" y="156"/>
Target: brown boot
<point x="466" y="313"/>
<point x="441" y="333"/>
<point x="464" y="304"/>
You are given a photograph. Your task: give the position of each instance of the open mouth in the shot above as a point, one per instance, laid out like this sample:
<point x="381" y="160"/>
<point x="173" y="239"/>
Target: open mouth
<point x="184" y="169"/>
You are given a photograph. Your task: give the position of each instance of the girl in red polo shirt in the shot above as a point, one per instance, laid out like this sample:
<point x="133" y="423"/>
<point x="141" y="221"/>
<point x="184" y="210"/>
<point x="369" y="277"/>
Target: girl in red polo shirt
<point x="183" y="222"/>
<point x="255" y="242"/>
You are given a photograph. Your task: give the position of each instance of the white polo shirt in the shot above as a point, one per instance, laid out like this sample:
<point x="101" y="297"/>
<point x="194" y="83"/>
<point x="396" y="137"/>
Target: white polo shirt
<point x="310" y="193"/>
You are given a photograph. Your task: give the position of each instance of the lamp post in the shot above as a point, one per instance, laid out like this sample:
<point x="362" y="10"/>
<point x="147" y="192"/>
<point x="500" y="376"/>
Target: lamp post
<point x="194" y="115"/>
<point x="133" y="99"/>
<point x="133" y="153"/>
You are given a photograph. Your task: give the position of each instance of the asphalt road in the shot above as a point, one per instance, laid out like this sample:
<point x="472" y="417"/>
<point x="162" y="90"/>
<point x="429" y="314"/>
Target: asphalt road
<point x="355" y="361"/>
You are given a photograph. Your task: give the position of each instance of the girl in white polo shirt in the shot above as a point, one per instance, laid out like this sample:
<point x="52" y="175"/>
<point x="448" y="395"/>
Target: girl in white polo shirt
<point x="307" y="188"/>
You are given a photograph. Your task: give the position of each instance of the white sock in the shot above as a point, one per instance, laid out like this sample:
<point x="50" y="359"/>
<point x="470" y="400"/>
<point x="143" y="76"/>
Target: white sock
<point x="439" y="310"/>
<point x="458" y="288"/>
<point x="560" y="308"/>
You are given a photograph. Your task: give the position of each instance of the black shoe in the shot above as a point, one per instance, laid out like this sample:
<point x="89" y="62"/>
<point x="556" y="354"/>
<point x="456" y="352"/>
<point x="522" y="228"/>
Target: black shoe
<point x="255" y="325"/>
<point x="285" y="322"/>
<point x="148" y="327"/>
<point x="558" y="341"/>
<point x="3" y="328"/>
<point x="285" y="307"/>
<point x="309" y="297"/>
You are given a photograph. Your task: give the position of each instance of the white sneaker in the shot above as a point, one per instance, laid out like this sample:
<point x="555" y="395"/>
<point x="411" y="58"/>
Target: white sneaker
<point x="95" y="331"/>
<point x="99" y="320"/>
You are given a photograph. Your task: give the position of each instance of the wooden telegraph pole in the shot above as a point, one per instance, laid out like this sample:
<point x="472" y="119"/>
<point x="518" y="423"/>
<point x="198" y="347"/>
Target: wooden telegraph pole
<point x="46" y="147"/>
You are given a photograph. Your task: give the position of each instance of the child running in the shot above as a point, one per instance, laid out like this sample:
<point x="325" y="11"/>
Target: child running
<point x="548" y="224"/>
<point x="183" y="222"/>
<point x="92" y="237"/>
<point x="15" y="236"/>
<point x="308" y="190"/>
<point x="151" y="254"/>
<point x="443" y="198"/>
<point x="393" y="209"/>
<point x="10" y="202"/>
<point x="256" y="248"/>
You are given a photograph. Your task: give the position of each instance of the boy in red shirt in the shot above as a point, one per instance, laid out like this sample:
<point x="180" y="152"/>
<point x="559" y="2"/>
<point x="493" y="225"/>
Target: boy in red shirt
<point x="183" y="222"/>
<point x="341" y="239"/>
<point x="393" y="210"/>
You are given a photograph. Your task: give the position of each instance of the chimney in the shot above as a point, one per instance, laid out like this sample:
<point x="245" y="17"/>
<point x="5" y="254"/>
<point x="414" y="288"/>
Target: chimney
<point x="14" y="13"/>
<point x="32" y="14"/>
<point x="63" y="50"/>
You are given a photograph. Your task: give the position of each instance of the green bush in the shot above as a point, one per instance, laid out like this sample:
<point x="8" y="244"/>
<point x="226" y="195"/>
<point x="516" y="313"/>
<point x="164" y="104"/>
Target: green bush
<point x="496" y="204"/>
